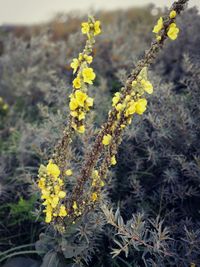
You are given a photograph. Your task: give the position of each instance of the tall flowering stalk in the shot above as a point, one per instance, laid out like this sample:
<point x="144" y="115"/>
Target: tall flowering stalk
<point x="52" y="176"/>
<point x="128" y="102"/>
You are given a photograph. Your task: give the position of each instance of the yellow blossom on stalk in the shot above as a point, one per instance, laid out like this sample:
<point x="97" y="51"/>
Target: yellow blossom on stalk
<point x="51" y="190"/>
<point x="48" y="217"/>
<point x="63" y="211"/>
<point x="89" y="102"/>
<point x="88" y="59"/>
<point x="85" y="27"/>
<point x="115" y="99"/>
<point x="53" y="169"/>
<point x="75" y="64"/>
<point x="119" y="107"/>
<point x="158" y="27"/>
<point x="80" y="97"/>
<point x="106" y="139"/>
<point x="141" y="105"/>
<point x="81" y="116"/>
<point x="97" y="29"/>
<point x="131" y="109"/>
<point x="54" y="202"/>
<point x="158" y="38"/>
<point x="102" y="183"/>
<point x="113" y="160"/>
<point x="94" y="196"/>
<point x="62" y="194"/>
<point x="148" y="87"/>
<point x="74" y="113"/>
<point x="75" y="207"/>
<point x="69" y="172"/>
<point x="73" y="104"/>
<point x="81" y="129"/>
<point x="173" y="31"/>
<point x="88" y="75"/>
<point x="77" y="83"/>
<point x="172" y="14"/>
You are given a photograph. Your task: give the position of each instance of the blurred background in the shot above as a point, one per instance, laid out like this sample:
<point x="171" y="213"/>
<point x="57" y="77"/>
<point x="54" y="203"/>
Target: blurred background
<point x="36" y="11"/>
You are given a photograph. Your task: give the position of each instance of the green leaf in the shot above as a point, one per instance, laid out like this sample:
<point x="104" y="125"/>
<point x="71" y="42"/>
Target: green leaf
<point x="51" y="259"/>
<point x="70" y="251"/>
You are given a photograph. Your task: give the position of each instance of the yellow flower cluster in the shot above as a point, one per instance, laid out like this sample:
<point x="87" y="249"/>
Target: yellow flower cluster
<point x="159" y="25"/>
<point x="91" y="28"/>
<point x="172" y="31"/>
<point x="80" y="102"/>
<point x="97" y="184"/>
<point x="106" y="139"/>
<point x="51" y="187"/>
<point x="133" y="103"/>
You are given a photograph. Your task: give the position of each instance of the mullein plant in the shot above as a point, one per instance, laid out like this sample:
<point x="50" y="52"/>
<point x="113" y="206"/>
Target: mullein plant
<point x="65" y="207"/>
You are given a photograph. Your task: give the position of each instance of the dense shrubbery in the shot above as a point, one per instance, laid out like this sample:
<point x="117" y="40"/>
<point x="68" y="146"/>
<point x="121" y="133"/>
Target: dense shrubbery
<point x="156" y="182"/>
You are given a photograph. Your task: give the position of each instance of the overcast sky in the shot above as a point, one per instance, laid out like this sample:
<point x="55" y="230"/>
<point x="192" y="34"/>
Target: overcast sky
<point x="36" y="11"/>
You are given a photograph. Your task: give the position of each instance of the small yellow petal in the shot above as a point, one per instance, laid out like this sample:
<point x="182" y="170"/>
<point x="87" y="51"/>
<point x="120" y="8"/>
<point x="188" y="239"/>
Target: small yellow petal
<point x="106" y="139"/>
<point x="172" y="14"/>
<point x="69" y="172"/>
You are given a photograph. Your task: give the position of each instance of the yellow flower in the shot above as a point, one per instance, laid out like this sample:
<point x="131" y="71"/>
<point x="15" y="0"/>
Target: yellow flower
<point x="172" y="14"/>
<point x="131" y="108"/>
<point x="62" y="194"/>
<point x="81" y="129"/>
<point x="102" y="183"/>
<point x="94" y="196"/>
<point x="88" y="75"/>
<point x="81" y="116"/>
<point x="173" y="31"/>
<point x="134" y="83"/>
<point x="88" y="59"/>
<point x="141" y="106"/>
<point x="80" y="57"/>
<point x="74" y="113"/>
<point x="80" y="97"/>
<point x="85" y="27"/>
<point x="41" y="183"/>
<point x="158" y="38"/>
<point x="53" y="169"/>
<point x="54" y="202"/>
<point x="148" y="87"/>
<point x="106" y="139"/>
<point x="113" y="160"/>
<point x="73" y="104"/>
<point x="75" y="64"/>
<point x="62" y="212"/>
<point x="77" y="83"/>
<point x="127" y="98"/>
<point x="115" y="99"/>
<point x="158" y="27"/>
<point x="119" y="107"/>
<point x="60" y="182"/>
<point x="97" y="29"/>
<point x="48" y="217"/>
<point x="89" y="102"/>
<point x="95" y="174"/>
<point x="75" y="207"/>
<point x="69" y="172"/>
